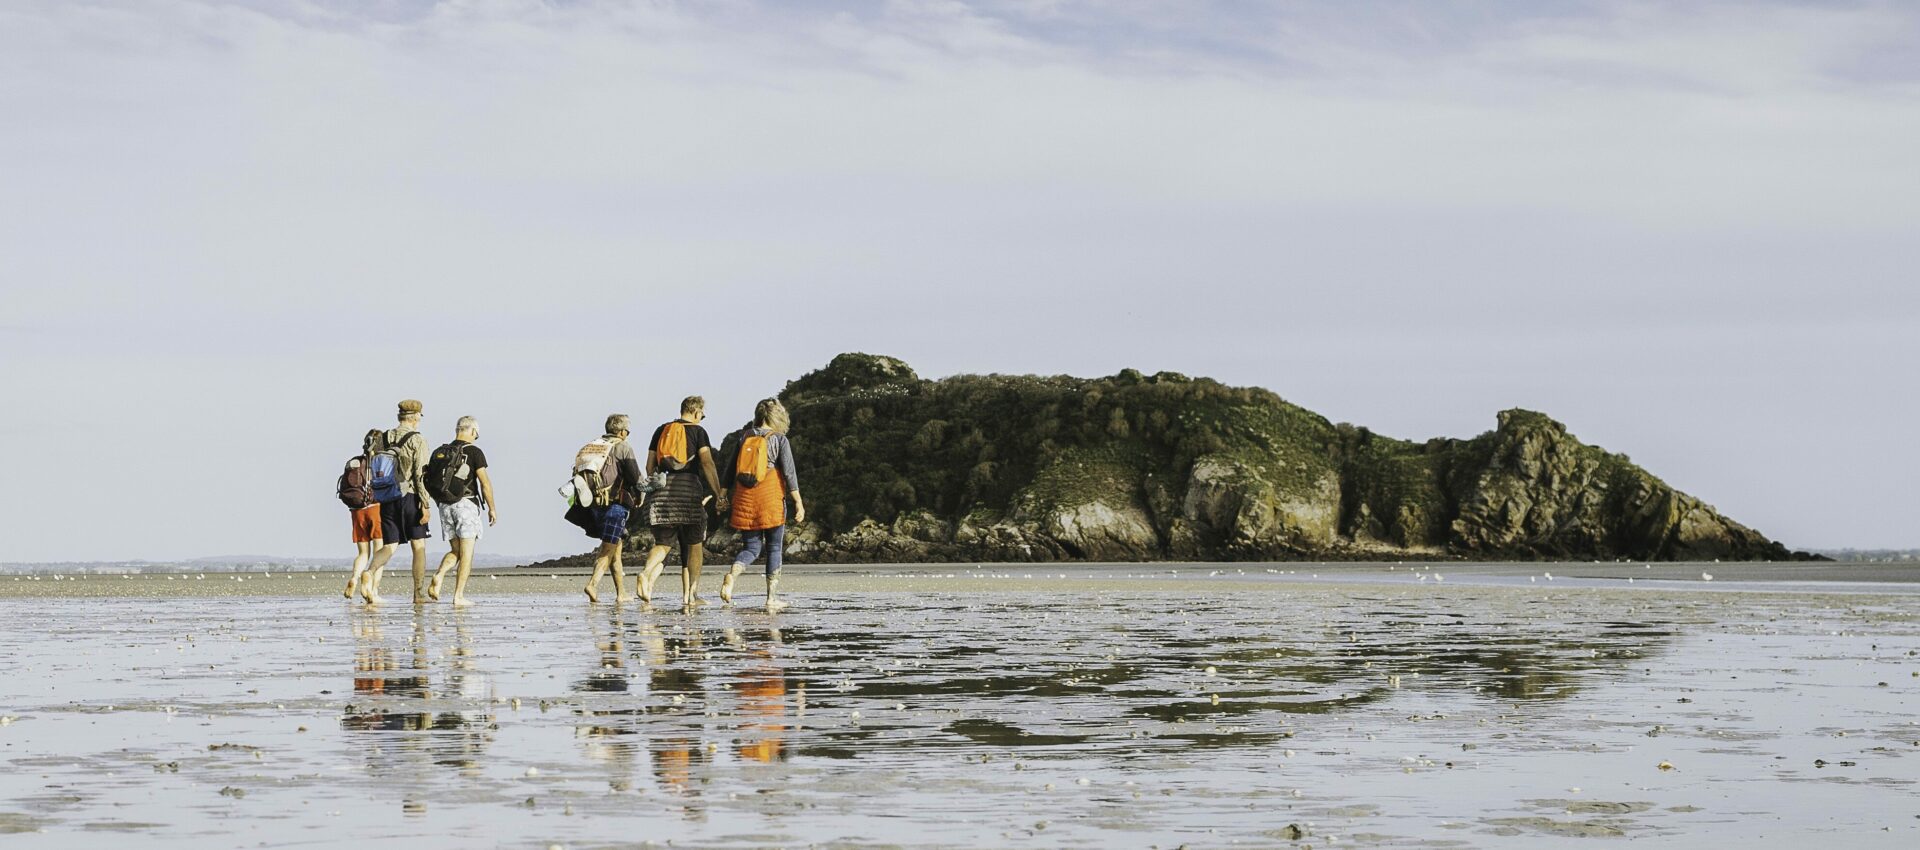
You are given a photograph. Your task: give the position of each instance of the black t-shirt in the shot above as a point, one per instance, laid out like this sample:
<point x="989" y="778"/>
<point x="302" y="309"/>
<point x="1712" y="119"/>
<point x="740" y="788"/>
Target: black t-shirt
<point x="696" y="440"/>
<point x="476" y="461"/>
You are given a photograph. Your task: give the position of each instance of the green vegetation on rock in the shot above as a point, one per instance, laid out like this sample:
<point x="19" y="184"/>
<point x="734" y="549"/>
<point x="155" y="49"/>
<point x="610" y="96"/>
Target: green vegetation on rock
<point x="1141" y="467"/>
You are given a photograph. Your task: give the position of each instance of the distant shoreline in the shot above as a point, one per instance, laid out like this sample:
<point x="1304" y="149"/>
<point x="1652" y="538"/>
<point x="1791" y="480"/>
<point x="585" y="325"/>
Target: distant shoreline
<point x="1172" y="578"/>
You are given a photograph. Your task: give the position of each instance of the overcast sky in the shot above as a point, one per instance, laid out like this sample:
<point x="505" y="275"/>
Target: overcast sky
<point x="234" y="234"/>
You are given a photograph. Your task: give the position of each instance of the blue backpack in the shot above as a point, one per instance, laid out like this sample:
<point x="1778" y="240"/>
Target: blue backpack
<point x="385" y="467"/>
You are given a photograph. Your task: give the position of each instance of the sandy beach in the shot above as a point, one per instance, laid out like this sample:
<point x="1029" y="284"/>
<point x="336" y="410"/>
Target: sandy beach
<point x="1031" y="705"/>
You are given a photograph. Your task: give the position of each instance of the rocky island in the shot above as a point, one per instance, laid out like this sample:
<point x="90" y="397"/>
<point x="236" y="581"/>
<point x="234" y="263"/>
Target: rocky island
<point x="1138" y="467"/>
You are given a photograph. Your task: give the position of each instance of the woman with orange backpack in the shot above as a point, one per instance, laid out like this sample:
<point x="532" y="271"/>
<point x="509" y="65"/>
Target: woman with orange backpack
<point x="763" y="478"/>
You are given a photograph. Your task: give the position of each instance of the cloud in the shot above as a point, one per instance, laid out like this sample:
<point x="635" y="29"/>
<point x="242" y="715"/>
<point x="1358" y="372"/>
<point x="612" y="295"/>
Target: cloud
<point x="1259" y="191"/>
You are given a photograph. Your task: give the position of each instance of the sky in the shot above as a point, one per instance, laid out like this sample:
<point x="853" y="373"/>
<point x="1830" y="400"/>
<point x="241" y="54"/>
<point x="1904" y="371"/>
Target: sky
<point x="234" y="234"/>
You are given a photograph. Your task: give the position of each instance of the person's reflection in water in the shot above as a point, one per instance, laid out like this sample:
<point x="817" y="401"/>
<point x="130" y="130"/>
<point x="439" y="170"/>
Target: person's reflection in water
<point x="763" y="705"/>
<point x="675" y="758"/>
<point x="677" y="694"/>
<point x="607" y="731"/>
<point x="400" y="739"/>
<point x="370" y="655"/>
<point x="375" y="667"/>
<point x="471" y="694"/>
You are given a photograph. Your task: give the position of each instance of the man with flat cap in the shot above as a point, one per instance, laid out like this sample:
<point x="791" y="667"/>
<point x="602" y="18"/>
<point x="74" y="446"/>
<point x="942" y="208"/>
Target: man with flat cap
<point x="405" y="517"/>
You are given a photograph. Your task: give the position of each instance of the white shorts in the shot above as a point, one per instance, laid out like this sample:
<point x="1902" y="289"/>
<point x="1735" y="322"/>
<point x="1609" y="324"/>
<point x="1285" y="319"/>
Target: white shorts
<point x="462" y="520"/>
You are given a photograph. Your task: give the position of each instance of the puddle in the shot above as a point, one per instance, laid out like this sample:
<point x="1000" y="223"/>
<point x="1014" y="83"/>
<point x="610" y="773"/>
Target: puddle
<point x="1356" y="715"/>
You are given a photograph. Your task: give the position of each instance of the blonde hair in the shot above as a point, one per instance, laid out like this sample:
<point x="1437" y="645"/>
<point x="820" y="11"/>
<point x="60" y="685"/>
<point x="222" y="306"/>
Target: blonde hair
<point x="771" y="415"/>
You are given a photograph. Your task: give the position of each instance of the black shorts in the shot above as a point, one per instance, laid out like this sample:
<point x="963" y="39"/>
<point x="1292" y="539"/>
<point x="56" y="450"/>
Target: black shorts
<point x="688" y="535"/>
<point x="400" y="520"/>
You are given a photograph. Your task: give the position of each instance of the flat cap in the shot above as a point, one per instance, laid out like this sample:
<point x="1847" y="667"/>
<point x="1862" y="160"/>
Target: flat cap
<point x="411" y="405"/>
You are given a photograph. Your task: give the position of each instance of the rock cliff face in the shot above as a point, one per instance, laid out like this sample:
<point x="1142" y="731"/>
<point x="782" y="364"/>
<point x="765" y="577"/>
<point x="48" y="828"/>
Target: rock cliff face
<point x="1137" y="467"/>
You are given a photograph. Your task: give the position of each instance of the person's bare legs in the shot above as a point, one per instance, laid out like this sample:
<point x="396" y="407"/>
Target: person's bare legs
<point x="446" y="563"/>
<point x="419" y="571"/>
<point x="695" y="557"/>
<point x="750" y="542"/>
<point x="370" y="582"/>
<point x="463" y="547"/>
<point x="619" y="575"/>
<point x="601" y="560"/>
<point x="726" y="582"/>
<point x="363" y="553"/>
<point x="656" y="561"/>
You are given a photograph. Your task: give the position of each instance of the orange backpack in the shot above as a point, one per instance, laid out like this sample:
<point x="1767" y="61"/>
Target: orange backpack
<point x="672" y="450"/>
<point x="755" y="462"/>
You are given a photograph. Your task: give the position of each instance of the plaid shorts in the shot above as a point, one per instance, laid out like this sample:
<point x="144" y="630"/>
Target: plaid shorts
<point x="613" y="524"/>
<point x="462" y="520"/>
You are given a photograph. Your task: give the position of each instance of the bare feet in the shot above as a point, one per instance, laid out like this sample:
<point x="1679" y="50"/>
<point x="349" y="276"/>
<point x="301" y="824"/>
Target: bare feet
<point x="774" y="605"/>
<point x="370" y="589"/>
<point x="352" y="584"/>
<point x="726" y="584"/>
<point x="644" y="587"/>
<point x="462" y="602"/>
<point x="592" y="595"/>
<point x="433" y="587"/>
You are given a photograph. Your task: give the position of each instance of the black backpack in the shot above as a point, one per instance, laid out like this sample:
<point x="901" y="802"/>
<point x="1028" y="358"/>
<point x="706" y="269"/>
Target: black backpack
<point x="448" y="478"/>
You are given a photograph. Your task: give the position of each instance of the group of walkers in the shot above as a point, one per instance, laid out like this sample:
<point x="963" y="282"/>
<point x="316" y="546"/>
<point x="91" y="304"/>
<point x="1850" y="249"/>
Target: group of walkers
<point x="389" y="486"/>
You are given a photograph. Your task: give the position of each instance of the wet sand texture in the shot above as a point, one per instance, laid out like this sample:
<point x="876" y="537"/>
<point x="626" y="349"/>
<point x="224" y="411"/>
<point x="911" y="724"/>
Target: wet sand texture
<point x="1194" y="710"/>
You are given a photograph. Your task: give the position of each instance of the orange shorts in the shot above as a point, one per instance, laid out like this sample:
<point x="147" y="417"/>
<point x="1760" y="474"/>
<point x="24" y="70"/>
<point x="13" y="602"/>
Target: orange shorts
<point x="366" y="524"/>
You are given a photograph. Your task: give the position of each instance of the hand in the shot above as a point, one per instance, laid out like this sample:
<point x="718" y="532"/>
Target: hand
<point x="493" y="517"/>
<point x="799" y="514"/>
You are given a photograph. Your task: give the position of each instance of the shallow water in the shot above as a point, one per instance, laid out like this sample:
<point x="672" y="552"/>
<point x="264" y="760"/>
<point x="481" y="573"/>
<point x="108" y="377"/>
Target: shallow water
<point x="1208" y="715"/>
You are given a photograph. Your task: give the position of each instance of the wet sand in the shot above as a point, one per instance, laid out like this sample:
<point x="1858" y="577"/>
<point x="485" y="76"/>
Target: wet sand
<point x="1119" y="705"/>
<point x="996" y="578"/>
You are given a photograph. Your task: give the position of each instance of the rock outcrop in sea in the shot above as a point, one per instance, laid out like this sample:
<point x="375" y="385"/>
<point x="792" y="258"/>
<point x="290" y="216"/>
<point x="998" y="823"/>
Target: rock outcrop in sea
<point x="1138" y="467"/>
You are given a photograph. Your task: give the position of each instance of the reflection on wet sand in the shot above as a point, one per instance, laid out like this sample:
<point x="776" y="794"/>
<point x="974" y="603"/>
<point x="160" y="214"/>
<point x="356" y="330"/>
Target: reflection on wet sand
<point x="1234" y="678"/>
<point x="391" y="699"/>
<point x="678" y="687"/>
<point x="668" y="710"/>
<point x="1390" y="717"/>
<point x="762" y="691"/>
<point x="607" y="734"/>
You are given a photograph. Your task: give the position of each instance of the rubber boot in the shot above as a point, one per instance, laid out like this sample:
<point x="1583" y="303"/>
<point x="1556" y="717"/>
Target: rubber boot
<point x="773" y="590"/>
